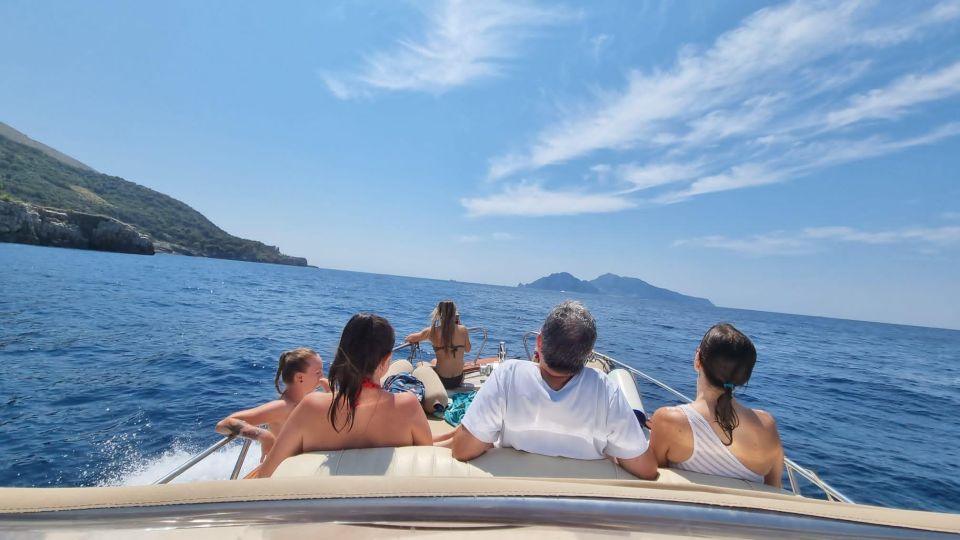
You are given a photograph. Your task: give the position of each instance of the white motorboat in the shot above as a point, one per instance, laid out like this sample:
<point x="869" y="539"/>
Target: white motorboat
<point x="423" y="491"/>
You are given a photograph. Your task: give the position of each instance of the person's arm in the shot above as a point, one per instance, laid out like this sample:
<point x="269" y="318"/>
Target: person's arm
<point x="466" y="344"/>
<point x="466" y="447"/>
<point x="417" y="337"/>
<point x="643" y="466"/>
<point x="662" y="426"/>
<point x="483" y="422"/>
<point x="775" y="476"/>
<point x="446" y="439"/>
<point x="325" y="385"/>
<point x="290" y="441"/>
<point x="244" y="423"/>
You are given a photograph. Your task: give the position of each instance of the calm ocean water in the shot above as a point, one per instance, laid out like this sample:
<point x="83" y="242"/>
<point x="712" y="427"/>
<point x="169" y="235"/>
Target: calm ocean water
<point x="116" y="367"/>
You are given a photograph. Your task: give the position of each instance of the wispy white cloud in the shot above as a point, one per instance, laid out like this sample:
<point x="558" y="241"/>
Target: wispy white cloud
<point x="770" y="42"/>
<point x="464" y="42"/>
<point x="533" y="200"/>
<point x="738" y="177"/>
<point x="749" y="110"/>
<point x="930" y="235"/>
<point x="598" y="43"/>
<point x="759" y="244"/>
<point x="495" y="237"/>
<point x="803" y="159"/>
<point x="811" y="239"/>
<point x="896" y="99"/>
<point x="909" y="28"/>
<point x="641" y="177"/>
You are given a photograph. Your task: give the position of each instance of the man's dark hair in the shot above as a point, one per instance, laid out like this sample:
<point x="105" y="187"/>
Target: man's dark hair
<point x="568" y="336"/>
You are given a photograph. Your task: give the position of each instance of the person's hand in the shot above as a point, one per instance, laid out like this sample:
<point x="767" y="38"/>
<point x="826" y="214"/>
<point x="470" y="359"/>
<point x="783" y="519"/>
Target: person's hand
<point x="412" y="338"/>
<point x="324" y="385"/>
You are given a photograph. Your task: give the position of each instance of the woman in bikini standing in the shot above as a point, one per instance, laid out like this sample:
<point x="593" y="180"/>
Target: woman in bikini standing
<point x="450" y="340"/>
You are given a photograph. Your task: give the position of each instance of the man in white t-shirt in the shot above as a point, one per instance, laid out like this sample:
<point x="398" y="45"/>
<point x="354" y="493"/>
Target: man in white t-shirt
<point x="555" y="406"/>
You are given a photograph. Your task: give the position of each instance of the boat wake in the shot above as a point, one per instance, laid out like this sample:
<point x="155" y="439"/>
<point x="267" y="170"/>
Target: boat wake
<point x="217" y="466"/>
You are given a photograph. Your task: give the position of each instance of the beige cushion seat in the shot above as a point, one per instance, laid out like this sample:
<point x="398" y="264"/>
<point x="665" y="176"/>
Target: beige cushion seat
<point x="434" y="461"/>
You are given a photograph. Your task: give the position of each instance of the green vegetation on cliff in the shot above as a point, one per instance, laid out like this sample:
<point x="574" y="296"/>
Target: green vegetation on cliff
<point x="31" y="175"/>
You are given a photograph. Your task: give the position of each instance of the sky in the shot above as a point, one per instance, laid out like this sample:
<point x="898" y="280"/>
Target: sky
<point x="798" y="157"/>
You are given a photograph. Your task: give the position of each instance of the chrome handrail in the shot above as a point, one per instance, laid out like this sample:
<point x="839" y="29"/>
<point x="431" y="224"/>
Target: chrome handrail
<point x="195" y="459"/>
<point x="240" y="459"/>
<point x="482" y="343"/>
<point x="791" y="466"/>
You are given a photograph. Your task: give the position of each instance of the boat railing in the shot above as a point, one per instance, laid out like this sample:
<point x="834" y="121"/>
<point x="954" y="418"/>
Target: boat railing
<point x="793" y="468"/>
<point x="204" y="454"/>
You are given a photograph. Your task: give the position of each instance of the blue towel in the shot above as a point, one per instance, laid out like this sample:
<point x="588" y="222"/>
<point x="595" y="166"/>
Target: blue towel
<point x="458" y="407"/>
<point x="404" y="382"/>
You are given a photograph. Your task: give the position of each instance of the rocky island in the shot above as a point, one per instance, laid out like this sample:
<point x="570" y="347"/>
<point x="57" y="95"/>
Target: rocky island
<point x="48" y="198"/>
<point x="613" y="284"/>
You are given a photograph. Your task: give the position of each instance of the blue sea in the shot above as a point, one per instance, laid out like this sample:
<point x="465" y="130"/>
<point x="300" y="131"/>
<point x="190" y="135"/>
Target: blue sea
<point x="115" y="368"/>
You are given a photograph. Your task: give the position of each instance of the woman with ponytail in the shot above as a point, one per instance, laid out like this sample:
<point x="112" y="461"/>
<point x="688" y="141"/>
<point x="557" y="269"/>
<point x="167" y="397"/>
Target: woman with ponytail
<point x="451" y="341"/>
<point x="301" y="371"/>
<point x="358" y="413"/>
<point x="715" y="434"/>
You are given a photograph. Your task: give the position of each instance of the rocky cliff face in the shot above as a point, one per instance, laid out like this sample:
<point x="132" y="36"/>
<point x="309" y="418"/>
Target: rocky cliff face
<point x="29" y="224"/>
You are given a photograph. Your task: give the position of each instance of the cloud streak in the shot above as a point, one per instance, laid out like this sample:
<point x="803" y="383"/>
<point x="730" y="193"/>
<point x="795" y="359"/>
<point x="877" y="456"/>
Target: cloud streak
<point x="492" y="237"/>
<point x="768" y="102"/>
<point x="533" y="200"/>
<point x="895" y="100"/>
<point x="464" y="42"/>
<point x="811" y="239"/>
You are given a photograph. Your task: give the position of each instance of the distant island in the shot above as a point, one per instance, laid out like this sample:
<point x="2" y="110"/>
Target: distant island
<point x="49" y="198"/>
<point x="613" y="284"/>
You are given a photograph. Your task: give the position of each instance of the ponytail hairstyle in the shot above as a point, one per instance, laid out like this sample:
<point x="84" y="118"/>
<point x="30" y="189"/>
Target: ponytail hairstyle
<point x="366" y="340"/>
<point x="443" y="321"/>
<point x="291" y="363"/>
<point x="727" y="358"/>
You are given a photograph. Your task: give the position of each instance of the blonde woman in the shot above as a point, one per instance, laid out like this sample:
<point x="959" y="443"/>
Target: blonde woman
<point x="450" y="341"/>
<point x="301" y="371"/>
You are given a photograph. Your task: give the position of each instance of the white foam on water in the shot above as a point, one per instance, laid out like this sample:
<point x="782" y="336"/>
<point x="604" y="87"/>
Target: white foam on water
<point x="139" y="471"/>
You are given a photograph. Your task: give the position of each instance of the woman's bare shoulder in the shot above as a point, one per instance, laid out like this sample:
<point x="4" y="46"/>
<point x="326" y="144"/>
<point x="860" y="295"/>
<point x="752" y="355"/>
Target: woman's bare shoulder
<point x="316" y="400"/>
<point x="404" y="400"/>
<point x="669" y="416"/>
<point x="768" y="422"/>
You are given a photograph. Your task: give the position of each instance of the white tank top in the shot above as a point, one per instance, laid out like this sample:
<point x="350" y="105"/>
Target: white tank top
<point x="710" y="456"/>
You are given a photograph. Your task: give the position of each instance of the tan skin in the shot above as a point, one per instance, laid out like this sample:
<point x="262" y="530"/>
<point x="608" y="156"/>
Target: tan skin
<point x="756" y="441"/>
<point x="275" y="413"/>
<point x="381" y="419"/>
<point x="465" y="446"/>
<point x="449" y="364"/>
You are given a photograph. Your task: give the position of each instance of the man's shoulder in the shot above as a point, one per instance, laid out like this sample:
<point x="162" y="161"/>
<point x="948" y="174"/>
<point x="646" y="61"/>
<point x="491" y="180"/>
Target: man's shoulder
<point x="599" y="382"/>
<point x="514" y="367"/>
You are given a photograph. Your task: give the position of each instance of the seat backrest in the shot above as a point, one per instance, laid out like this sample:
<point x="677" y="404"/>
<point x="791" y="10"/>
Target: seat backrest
<point x="436" y="461"/>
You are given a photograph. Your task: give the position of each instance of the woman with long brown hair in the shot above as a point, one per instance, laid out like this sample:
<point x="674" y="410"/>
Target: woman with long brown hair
<point x="450" y="340"/>
<point x="715" y="434"/>
<point x="358" y="413"/>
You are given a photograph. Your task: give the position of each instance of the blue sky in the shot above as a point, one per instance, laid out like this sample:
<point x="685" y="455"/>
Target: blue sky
<point x="798" y="157"/>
